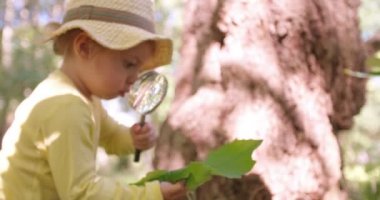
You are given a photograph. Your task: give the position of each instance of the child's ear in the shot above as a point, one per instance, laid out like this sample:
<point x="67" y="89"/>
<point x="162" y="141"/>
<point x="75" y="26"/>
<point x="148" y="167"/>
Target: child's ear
<point x="82" y="45"/>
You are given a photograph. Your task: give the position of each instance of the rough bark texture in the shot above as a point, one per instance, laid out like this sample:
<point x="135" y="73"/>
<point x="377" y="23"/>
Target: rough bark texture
<point x="269" y="69"/>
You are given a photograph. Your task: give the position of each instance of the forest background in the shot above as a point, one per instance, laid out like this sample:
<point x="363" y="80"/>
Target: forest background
<point x="24" y="61"/>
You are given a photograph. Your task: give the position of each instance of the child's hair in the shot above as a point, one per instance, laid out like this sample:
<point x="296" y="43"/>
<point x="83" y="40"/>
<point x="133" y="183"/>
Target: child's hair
<point x="63" y="43"/>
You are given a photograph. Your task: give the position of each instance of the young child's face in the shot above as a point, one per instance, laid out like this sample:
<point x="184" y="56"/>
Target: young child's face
<point x="111" y="73"/>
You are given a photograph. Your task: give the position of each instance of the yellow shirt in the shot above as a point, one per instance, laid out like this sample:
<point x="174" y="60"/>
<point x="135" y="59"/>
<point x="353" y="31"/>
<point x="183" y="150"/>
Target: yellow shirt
<point x="49" y="151"/>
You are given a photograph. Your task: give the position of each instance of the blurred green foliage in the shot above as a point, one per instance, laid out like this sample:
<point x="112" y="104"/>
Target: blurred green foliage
<point x="361" y="144"/>
<point x="373" y="62"/>
<point x="361" y="147"/>
<point x="30" y="63"/>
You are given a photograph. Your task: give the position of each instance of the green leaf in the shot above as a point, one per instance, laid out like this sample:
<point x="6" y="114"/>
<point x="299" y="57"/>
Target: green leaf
<point x="230" y="160"/>
<point x="167" y="176"/>
<point x="199" y="174"/>
<point x="194" y="175"/>
<point x="234" y="159"/>
<point x="151" y="176"/>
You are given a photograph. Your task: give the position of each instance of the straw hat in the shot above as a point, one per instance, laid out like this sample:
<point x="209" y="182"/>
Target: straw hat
<point x="117" y="24"/>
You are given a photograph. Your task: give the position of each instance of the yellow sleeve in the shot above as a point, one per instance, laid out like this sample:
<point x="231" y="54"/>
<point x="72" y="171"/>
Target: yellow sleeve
<point x="114" y="137"/>
<point x="71" y="155"/>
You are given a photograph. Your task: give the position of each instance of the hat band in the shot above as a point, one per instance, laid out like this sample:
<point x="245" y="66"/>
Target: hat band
<point x="108" y="15"/>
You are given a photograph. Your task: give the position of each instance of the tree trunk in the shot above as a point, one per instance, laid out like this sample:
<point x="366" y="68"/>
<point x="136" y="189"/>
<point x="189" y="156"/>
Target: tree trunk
<point x="7" y="34"/>
<point x="271" y="70"/>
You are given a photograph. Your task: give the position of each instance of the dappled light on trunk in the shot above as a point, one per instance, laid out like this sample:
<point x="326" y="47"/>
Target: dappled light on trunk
<point x="270" y="70"/>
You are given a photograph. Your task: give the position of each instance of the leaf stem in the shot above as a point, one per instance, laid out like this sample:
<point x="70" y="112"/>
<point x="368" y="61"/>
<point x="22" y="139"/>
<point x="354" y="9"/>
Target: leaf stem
<point x="191" y="195"/>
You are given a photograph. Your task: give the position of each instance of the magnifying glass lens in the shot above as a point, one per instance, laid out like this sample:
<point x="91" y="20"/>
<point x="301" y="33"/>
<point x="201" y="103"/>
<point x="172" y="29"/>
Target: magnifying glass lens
<point x="146" y="94"/>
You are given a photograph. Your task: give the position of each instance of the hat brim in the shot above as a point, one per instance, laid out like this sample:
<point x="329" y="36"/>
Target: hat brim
<point x="121" y="37"/>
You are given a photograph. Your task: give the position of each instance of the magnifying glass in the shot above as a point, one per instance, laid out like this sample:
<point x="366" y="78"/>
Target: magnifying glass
<point x="145" y="95"/>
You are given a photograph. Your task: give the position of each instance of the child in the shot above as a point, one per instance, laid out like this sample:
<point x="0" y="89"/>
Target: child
<point x="49" y="151"/>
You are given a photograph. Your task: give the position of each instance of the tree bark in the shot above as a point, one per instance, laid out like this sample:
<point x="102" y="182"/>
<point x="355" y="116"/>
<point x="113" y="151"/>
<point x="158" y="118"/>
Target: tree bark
<point x="271" y="70"/>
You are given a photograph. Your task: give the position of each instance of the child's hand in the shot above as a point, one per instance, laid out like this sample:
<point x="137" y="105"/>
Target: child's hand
<point x="143" y="137"/>
<point x="173" y="191"/>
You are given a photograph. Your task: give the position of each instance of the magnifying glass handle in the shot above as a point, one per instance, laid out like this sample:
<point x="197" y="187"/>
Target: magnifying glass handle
<point x="137" y="155"/>
<point x="138" y="151"/>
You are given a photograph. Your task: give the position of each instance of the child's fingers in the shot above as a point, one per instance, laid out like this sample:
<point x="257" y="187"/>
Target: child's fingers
<point x="173" y="191"/>
<point x="136" y="128"/>
<point x="146" y="128"/>
<point x="144" y="140"/>
<point x="144" y="137"/>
